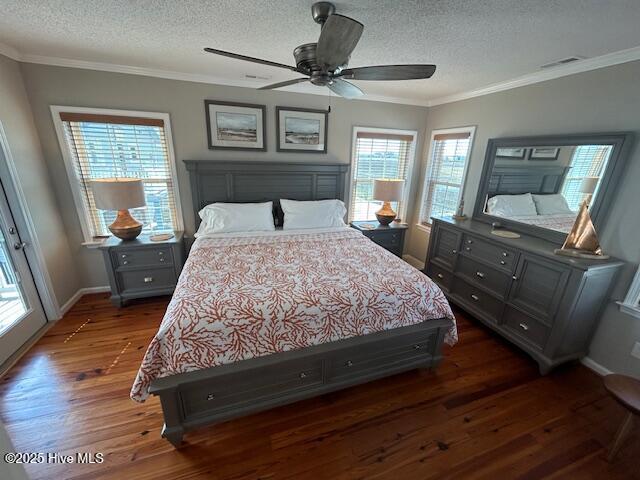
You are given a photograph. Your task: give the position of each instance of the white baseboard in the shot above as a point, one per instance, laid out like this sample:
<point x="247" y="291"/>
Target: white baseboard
<point x="413" y="261"/>
<point x="78" y="295"/>
<point x="595" y="366"/>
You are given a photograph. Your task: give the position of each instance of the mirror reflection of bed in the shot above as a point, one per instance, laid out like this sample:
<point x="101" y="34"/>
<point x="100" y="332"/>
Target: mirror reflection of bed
<point x="545" y="186"/>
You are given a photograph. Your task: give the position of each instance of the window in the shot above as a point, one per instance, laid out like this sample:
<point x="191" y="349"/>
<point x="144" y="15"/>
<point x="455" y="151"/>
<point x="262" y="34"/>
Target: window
<point x="382" y="154"/>
<point x="587" y="161"/>
<point x="107" y="143"/>
<point x="445" y="173"/>
<point x="631" y="303"/>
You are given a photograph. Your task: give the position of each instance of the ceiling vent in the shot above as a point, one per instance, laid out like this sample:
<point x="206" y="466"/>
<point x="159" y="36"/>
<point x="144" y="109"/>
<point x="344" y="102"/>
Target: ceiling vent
<point x="563" y="61"/>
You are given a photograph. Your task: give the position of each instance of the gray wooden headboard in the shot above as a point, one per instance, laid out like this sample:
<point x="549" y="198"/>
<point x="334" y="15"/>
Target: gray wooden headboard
<point x="245" y="182"/>
<point x="513" y="180"/>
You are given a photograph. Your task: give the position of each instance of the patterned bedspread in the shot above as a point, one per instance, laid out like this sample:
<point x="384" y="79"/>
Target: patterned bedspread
<point x="240" y="297"/>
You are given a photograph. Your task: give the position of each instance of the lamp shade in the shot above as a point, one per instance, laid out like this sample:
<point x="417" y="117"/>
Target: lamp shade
<point x="388" y="190"/>
<point x="589" y="184"/>
<point x="118" y="193"/>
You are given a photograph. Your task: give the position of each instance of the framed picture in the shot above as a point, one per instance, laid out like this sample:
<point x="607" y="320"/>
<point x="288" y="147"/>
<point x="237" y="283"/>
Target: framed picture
<point x="513" y="153"/>
<point x="544" y="153"/>
<point x="301" y="130"/>
<point x="235" y="126"/>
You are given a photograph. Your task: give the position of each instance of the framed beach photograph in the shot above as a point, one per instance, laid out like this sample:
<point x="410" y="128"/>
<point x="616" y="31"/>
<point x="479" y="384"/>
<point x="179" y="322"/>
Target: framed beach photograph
<point x="301" y="130"/>
<point x="235" y="126"/>
<point x="544" y="153"/>
<point x="512" y="153"/>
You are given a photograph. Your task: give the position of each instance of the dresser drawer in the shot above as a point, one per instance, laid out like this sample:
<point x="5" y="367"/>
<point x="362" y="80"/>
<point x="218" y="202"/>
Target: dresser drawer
<point x="502" y="258"/>
<point x="140" y="257"/>
<point x="478" y="300"/>
<point x="235" y="391"/>
<point x="378" y="357"/>
<point x="525" y="327"/>
<point x="479" y="274"/>
<point x="439" y="275"/>
<point x="445" y="247"/>
<point x="148" y="279"/>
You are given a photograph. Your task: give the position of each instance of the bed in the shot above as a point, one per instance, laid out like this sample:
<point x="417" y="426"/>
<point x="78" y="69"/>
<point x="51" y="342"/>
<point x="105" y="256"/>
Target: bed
<point x="264" y="319"/>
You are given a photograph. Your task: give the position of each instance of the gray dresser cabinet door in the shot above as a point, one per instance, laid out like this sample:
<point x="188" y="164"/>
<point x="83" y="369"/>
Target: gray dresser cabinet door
<point x="446" y="246"/>
<point x="538" y="286"/>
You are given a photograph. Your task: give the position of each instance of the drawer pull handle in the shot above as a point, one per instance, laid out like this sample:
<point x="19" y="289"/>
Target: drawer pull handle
<point x="349" y="363"/>
<point x="469" y="242"/>
<point x="475" y="297"/>
<point x="514" y="277"/>
<point x="162" y="259"/>
<point x="524" y="326"/>
<point x="440" y="276"/>
<point x="126" y="262"/>
<point x="303" y="375"/>
<point x="505" y="254"/>
<point x="454" y="251"/>
<point x="124" y="255"/>
<point x="480" y="274"/>
<point x="160" y="253"/>
<point x="148" y="279"/>
<point x="502" y="262"/>
<point x="468" y="249"/>
<point x="211" y="396"/>
<point x="417" y="346"/>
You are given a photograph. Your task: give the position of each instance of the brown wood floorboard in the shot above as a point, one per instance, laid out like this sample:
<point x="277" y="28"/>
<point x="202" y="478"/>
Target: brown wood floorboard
<point x="485" y="413"/>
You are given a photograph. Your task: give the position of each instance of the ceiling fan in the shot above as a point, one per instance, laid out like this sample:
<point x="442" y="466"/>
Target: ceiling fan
<point x="325" y="63"/>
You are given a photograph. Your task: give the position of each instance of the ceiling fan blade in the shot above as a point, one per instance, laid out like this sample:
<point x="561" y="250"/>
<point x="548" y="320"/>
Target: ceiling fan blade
<point x="338" y="38"/>
<point x="284" y="84"/>
<point x="250" y="59"/>
<point x="389" y="72"/>
<point x="345" y="89"/>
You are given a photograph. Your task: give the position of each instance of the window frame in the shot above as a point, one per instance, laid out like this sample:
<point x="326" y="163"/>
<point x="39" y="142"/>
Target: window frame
<point x="402" y="213"/>
<point x="631" y="303"/>
<point x="429" y="148"/>
<point x="69" y="160"/>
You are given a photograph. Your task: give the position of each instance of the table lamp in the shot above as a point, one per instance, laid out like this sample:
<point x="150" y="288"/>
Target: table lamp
<point x="588" y="186"/>
<point x="120" y="194"/>
<point x="387" y="191"/>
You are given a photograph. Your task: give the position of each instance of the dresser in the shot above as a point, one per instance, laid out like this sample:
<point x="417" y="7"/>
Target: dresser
<point x="142" y="268"/>
<point x="546" y="304"/>
<point x="390" y="237"/>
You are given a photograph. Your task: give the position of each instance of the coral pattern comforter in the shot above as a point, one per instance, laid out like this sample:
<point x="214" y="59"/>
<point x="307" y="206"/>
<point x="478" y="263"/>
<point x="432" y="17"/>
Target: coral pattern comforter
<point x="240" y="297"/>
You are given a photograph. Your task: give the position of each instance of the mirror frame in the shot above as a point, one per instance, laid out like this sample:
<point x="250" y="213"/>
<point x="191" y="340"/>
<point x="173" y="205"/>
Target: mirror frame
<point x="621" y="142"/>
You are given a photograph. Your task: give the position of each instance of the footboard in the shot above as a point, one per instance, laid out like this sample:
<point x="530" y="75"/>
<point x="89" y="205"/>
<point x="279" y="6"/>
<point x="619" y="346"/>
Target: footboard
<point x="204" y="397"/>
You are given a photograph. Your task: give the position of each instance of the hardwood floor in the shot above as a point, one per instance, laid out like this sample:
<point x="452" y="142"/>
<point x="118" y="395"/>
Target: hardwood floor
<point x="486" y="413"/>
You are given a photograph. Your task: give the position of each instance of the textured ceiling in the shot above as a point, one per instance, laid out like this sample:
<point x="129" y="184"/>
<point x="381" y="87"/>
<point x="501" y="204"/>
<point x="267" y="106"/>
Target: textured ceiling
<point x="473" y="43"/>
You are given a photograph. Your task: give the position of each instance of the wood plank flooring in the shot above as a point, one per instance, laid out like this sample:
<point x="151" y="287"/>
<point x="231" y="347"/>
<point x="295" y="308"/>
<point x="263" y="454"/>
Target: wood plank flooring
<point x="486" y="413"/>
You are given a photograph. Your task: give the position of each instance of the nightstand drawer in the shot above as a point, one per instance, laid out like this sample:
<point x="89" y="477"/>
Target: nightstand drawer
<point x="387" y="239"/>
<point x="143" y="257"/>
<point x="148" y="279"/>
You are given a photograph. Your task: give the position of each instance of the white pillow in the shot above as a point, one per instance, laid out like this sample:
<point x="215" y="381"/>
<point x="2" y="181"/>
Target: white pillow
<point x="236" y="217"/>
<point x="551" y="204"/>
<point x="313" y="214"/>
<point x="511" y="205"/>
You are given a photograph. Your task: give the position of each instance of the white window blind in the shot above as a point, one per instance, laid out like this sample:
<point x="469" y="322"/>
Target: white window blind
<point x="377" y="156"/>
<point x="445" y="175"/>
<point x="587" y="161"/>
<point x="106" y="146"/>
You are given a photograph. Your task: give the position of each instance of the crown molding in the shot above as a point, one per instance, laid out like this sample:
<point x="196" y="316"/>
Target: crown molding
<point x="608" y="60"/>
<point x="9" y="51"/>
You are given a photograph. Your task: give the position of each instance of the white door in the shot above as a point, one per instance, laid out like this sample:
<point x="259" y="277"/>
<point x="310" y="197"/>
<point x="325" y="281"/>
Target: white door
<point x="21" y="313"/>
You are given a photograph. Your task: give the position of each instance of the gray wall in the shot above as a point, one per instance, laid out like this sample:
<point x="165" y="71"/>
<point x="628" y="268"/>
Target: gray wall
<point x="184" y="101"/>
<point x="17" y="119"/>
<point x="598" y="101"/>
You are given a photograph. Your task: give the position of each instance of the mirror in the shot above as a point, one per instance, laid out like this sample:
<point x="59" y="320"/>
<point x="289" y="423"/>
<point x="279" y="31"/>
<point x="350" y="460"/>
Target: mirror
<point x="538" y="184"/>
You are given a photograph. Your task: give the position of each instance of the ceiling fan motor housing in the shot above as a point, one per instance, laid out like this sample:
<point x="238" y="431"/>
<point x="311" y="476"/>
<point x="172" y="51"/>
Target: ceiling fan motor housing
<point x="321" y="10"/>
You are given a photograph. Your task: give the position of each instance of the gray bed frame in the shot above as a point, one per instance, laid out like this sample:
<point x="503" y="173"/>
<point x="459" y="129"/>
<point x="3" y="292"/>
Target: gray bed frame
<point x="215" y="394"/>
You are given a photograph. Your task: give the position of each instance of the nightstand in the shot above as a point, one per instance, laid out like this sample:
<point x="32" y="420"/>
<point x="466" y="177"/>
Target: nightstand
<point x="390" y="237"/>
<point x="142" y="268"/>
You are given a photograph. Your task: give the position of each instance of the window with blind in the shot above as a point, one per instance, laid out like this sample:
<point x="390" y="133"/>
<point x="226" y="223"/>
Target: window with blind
<point x="100" y="145"/>
<point x="378" y="154"/>
<point x="586" y="161"/>
<point x="446" y="171"/>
